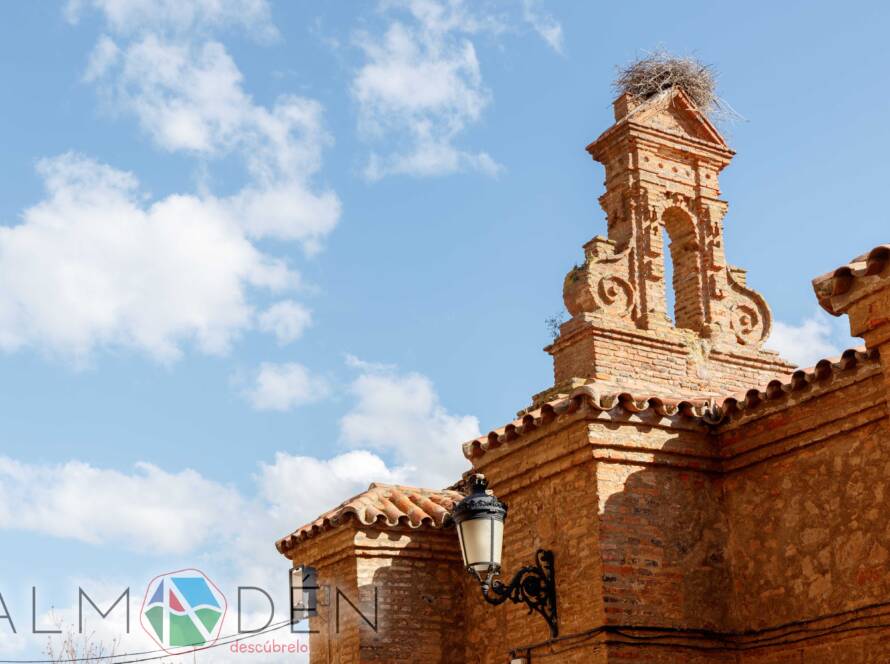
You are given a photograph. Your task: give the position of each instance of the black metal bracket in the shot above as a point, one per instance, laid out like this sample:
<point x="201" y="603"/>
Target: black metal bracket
<point x="533" y="585"/>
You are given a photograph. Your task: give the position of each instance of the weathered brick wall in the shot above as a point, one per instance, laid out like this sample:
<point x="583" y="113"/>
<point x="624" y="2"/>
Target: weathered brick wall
<point x="418" y="577"/>
<point x="548" y="484"/>
<point x="662" y="537"/>
<point x="333" y="555"/>
<point x="807" y="491"/>
<point x="701" y="536"/>
<point x="674" y="363"/>
<point x="846" y="645"/>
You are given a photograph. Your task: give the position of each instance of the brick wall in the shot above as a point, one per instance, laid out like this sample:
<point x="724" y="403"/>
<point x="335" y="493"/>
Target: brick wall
<point x="548" y="484"/>
<point x="418" y="575"/>
<point x="807" y="493"/>
<point x="675" y="363"/>
<point x="674" y="542"/>
<point x="418" y="579"/>
<point x="333" y="555"/>
<point x="697" y="537"/>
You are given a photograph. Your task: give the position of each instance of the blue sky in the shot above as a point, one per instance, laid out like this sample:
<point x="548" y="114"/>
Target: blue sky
<point x="256" y="255"/>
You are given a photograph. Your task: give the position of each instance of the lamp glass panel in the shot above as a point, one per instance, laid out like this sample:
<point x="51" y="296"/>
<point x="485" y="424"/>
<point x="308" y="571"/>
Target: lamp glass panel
<point x="498" y="541"/>
<point x="481" y="541"/>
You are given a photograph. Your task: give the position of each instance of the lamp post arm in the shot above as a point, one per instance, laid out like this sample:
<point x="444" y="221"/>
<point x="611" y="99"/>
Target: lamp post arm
<point x="533" y="585"/>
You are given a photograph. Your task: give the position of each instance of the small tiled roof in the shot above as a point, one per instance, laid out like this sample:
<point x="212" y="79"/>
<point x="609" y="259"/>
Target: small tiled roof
<point x="842" y="279"/>
<point x="383" y="505"/>
<point x="711" y="412"/>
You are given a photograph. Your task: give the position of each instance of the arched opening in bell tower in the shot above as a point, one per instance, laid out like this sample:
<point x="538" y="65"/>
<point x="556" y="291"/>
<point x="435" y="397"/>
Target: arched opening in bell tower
<point x="682" y="265"/>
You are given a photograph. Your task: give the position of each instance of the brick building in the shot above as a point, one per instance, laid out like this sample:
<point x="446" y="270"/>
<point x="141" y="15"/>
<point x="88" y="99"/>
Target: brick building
<point x="705" y="502"/>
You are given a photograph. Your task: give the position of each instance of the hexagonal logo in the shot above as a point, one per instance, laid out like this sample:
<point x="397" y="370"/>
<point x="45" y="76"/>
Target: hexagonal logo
<point x="183" y="610"/>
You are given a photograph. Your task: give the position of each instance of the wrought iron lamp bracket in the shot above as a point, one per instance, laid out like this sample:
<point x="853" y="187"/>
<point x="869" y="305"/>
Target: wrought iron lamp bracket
<point x="533" y="585"/>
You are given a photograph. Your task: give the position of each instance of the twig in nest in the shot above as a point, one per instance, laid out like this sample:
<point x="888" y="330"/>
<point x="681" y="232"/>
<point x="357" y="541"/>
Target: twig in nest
<point x="659" y="71"/>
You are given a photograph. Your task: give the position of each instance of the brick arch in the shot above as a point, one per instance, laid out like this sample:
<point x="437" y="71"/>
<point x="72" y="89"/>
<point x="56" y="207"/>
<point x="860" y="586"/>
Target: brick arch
<point x="687" y="274"/>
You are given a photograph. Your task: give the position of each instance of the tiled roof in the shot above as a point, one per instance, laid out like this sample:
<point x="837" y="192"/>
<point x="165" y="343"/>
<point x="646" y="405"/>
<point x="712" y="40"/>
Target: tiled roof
<point x="581" y="396"/>
<point x="801" y="380"/>
<point x="383" y="505"/>
<point x="841" y="280"/>
<point x="711" y="412"/>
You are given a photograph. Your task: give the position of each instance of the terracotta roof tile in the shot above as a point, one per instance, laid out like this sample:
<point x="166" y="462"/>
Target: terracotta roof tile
<point x="384" y="506"/>
<point x="822" y="373"/>
<point x="841" y="280"/>
<point x="709" y="411"/>
<point x="587" y="395"/>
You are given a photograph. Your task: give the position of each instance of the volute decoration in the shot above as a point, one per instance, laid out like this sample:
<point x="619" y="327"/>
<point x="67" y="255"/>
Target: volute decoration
<point x="597" y="286"/>
<point x="750" y="318"/>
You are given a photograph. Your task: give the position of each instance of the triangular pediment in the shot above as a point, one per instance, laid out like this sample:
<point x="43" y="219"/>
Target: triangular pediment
<point x="674" y="112"/>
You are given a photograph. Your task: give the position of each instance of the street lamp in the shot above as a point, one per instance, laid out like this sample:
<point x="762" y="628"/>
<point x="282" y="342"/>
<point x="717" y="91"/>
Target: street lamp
<point x="479" y="519"/>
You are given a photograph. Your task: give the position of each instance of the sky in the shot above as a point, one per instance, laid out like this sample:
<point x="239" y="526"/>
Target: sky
<point x="256" y="255"/>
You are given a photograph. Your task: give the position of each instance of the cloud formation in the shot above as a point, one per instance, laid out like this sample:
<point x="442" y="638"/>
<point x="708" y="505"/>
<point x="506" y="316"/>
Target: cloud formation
<point x="401" y="415"/>
<point x="807" y="343"/>
<point x="544" y="24"/>
<point x="95" y="264"/>
<point x="287" y="320"/>
<point x="189" y="97"/>
<point x="282" y="387"/>
<point x="182" y="514"/>
<point x="419" y="88"/>
<point x="402" y="434"/>
<point x="174" y="16"/>
<point x="177" y="512"/>
<point x="98" y="264"/>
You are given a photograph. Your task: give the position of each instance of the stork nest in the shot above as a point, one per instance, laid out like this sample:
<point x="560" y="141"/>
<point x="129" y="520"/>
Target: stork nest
<point x="660" y="71"/>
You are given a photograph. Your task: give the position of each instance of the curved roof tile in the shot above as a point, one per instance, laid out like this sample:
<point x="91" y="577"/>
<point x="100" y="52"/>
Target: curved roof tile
<point x="841" y="280"/>
<point x="822" y="373"/>
<point x="382" y="505"/>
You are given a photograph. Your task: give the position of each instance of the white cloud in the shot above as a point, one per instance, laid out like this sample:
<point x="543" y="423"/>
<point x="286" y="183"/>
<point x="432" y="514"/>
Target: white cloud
<point x="282" y="387"/>
<point x="194" y="16"/>
<point x="182" y="512"/>
<point x="354" y="362"/>
<point x="94" y="264"/>
<point x="401" y="414"/>
<point x="189" y="98"/>
<point x="287" y="320"/>
<point x="176" y="512"/>
<point x="309" y="486"/>
<point x="807" y="343"/>
<point x="103" y="56"/>
<point x="420" y="87"/>
<point x="544" y="24"/>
